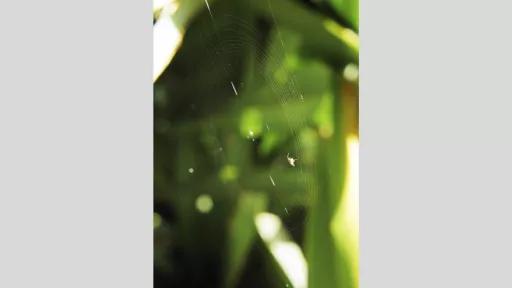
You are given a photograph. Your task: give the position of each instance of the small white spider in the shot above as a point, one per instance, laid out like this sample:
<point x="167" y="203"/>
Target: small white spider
<point x="291" y="160"/>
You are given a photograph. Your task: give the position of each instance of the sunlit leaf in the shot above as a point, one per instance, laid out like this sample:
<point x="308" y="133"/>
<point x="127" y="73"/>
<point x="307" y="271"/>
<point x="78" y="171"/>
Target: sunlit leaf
<point x="286" y="253"/>
<point x="345" y="223"/>
<point x="166" y="40"/>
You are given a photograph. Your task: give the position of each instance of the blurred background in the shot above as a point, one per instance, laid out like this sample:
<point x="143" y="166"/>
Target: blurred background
<point x="256" y="143"/>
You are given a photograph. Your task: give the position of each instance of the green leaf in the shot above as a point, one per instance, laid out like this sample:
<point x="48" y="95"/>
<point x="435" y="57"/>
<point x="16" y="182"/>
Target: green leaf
<point x="329" y="266"/>
<point x="242" y="233"/>
<point x="348" y="9"/>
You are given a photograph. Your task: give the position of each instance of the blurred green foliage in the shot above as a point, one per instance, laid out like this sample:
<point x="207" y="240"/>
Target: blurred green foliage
<point x="254" y="84"/>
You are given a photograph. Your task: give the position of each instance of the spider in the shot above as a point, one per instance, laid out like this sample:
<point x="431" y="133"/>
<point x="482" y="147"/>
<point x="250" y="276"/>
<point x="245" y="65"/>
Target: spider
<point x="291" y="160"/>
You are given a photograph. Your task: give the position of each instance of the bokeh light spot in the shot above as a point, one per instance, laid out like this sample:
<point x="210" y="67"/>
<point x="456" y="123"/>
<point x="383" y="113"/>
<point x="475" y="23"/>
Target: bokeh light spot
<point x="204" y="203"/>
<point x="228" y="173"/>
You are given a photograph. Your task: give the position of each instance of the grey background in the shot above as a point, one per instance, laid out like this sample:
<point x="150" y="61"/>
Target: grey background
<point x="76" y="144"/>
<point x="435" y="104"/>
